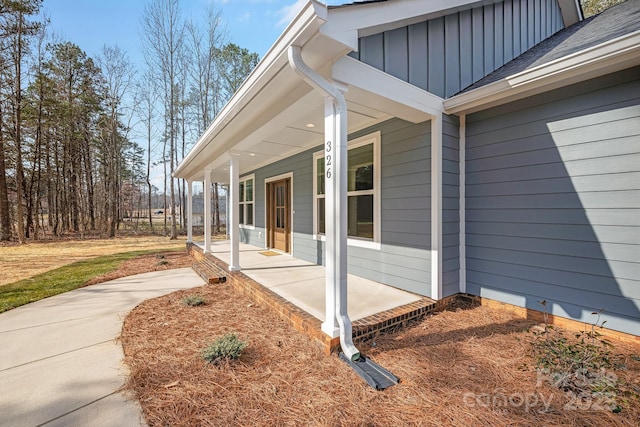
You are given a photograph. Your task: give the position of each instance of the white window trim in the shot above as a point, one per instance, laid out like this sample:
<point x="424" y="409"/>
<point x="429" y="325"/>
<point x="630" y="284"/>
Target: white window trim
<point x="374" y="138"/>
<point x="243" y="204"/>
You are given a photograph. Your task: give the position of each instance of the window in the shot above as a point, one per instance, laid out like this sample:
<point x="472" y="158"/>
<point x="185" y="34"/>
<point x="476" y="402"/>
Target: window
<point x="246" y="201"/>
<point x="363" y="187"/>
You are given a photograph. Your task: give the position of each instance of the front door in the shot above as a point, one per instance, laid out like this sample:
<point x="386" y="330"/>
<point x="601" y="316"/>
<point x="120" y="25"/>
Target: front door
<point x="279" y="214"/>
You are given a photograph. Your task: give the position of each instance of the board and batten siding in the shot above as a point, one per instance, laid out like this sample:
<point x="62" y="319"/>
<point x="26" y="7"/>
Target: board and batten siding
<point x="404" y="259"/>
<point x="446" y="54"/>
<point x="553" y="201"/>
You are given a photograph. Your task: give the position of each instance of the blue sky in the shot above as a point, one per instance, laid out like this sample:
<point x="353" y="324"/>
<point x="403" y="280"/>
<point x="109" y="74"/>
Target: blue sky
<point x="252" y="24"/>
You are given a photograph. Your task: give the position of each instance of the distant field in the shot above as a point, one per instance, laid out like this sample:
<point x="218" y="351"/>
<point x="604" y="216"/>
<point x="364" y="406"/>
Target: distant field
<point x="22" y="262"/>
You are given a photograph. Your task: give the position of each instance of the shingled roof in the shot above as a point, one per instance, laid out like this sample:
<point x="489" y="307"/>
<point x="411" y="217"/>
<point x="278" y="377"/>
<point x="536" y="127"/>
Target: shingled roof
<point x="608" y="25"/>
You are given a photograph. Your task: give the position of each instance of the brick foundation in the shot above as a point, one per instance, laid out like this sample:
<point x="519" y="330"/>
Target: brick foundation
<point x="371" y="326"/>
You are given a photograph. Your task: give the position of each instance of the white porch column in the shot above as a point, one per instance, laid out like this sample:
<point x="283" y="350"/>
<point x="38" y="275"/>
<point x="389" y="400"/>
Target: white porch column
<point x="436" y="207"/>
<point x="330" y="325"/>
<point x="207" y="211"/>
<point x="189" y="211"/>
<point x="234" y="212"/>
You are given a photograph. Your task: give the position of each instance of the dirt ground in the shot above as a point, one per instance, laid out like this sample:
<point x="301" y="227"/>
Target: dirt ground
<point x="19" y="262"/>
<point x="468" y="367"/>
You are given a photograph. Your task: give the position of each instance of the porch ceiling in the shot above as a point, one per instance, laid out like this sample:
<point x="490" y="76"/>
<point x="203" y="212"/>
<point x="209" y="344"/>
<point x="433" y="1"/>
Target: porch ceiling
<point x="291" y="129"/>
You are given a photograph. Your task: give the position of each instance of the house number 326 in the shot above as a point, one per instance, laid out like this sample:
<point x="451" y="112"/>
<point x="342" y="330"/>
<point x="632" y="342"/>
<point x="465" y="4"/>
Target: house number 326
<point x="328" y="159"/>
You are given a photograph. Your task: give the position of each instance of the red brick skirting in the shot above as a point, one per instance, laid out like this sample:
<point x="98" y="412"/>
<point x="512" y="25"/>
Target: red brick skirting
<point x="363" y="329"/>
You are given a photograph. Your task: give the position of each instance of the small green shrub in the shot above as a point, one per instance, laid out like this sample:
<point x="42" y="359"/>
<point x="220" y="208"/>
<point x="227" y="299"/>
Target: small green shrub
<point x="227" y="347"/>
<point x="581" y="366"/>
<point x="162" y="262"/>
<point x="193" y="300"/>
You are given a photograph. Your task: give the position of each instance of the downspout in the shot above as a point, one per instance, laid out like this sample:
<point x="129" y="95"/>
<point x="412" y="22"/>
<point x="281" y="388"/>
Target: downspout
<point x="338" y="236"/>
<point x="462" y="243"/>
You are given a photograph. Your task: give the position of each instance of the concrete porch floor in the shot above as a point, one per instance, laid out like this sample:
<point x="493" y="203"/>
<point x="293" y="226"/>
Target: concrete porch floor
<point x="303" y="283"/>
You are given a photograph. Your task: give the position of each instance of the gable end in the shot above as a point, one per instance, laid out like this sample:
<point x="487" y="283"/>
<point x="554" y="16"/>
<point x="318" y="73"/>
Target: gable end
<point x="446" y="54"/>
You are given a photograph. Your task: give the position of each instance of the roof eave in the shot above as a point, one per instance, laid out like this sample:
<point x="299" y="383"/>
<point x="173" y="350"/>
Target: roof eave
<point x="614" y="55"/>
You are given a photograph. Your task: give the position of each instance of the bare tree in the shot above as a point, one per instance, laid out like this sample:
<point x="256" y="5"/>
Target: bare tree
<point x="118" y="73"/>
<point x="205" y="47"/>
<point x="146" y="111"/>
<point x="163" y="39"/>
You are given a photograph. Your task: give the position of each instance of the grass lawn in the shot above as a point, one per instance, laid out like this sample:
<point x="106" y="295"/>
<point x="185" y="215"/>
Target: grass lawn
<point x="39" y="270"/>
<point x="63" y="279"/>
<point x="19" y="262"/>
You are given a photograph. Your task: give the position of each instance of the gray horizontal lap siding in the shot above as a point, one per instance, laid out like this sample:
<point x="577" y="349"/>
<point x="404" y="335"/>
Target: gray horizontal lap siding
<point x="450" y="206"/>
<point x="447" y="54"/>
<point x="301" y="165"/>
<point x="404" y="258"/>
<point x="553" y="201"/>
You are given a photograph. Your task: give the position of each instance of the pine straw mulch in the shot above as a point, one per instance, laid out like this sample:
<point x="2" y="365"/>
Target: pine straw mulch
<point x="467" y="367"/>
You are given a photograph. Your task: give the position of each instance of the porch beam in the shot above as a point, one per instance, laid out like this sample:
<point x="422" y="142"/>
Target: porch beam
<point x="207" y="211"/>
<point x="377" y="89"/>
<point x="234" y="210"/>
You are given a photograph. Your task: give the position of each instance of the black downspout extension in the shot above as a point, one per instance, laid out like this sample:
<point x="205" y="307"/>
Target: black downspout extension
<point x="375" y="375"/>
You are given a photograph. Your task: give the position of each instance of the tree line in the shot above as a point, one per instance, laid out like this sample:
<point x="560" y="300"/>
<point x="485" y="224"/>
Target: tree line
<point x="70" y="125"/>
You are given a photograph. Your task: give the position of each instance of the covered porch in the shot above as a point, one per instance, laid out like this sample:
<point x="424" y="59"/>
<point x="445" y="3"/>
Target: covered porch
<point x="305" y="98"/>
<point x="295" y="289"/>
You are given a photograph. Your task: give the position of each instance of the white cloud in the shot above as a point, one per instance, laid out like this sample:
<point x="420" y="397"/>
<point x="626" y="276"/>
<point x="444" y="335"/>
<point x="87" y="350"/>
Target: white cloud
<point x="245" y="17"/>
<point x="287" y="13"/>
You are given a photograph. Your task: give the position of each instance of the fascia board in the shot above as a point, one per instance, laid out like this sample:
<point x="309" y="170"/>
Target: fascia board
<point x="571" y="12"/>
<point x="420" y="104"/>
<point x="614" y="55"/>
<point x="303" y="28"/>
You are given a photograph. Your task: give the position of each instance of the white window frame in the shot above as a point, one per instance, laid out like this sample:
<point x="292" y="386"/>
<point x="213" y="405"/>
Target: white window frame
<point x="243" y="205"/>
<point x="375" y="243"/>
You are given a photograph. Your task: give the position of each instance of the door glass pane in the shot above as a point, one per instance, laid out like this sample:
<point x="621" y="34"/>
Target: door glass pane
<point x="279" y="195"/>
<point x="249" y="190"/>
<point x="320" y="176"/>
<point x="242" y="191"/>
<point x="249" y="219"/>
<point x="280" y="218"/>
<point x="360" y="216"/>
<point x="361" y="168"/>
<point x="241" y="210"/>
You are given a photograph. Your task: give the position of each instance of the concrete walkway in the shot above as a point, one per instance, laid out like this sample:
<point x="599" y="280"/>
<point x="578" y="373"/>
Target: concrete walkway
<point x="60" y="361"/>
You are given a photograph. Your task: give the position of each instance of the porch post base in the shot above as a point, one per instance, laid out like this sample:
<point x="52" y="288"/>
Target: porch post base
<point x="330" y="329"/>
<point x="235" y="268"/>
